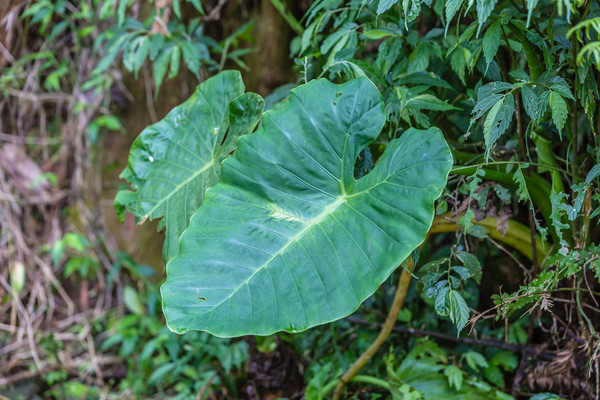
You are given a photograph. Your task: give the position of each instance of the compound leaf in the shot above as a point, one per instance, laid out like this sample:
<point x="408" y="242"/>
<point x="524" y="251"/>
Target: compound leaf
<point x="530" y="103"/>
<point x="288" y="239"/>
<point x="491" y="41"/>
<point x="498" y="120"/>
<point x="558" y="105"/>
<point x="385" y="5"/>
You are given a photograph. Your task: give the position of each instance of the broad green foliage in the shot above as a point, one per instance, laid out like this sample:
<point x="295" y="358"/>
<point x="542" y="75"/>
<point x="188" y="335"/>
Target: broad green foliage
<point x="288" y="239"/>
<point x="285" y="241"/>
<point x="173" y="161"/>
<point x="424" y="374"/>
<point x="440" y="280"/>
<point x="138" y="42"/>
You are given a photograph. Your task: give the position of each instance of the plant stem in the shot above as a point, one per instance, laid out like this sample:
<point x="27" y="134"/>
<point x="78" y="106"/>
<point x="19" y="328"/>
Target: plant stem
<point x="358" y="378"/>
<point x="388" y="325"/>
<point x="518" y="236"/>
<point x="534" y="259"/>
<point x="518" y="348"/>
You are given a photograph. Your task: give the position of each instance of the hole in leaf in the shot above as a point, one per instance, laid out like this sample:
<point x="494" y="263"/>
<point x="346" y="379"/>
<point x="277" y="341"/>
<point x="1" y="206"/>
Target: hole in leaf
<point x="334" y="103"/>
<point x="338" y="95"/>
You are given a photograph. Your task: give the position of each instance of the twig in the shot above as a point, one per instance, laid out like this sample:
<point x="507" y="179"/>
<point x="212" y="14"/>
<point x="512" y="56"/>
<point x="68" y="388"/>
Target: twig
<point x="215" y="13"/>
<point x="6" y="53"/>
<point x="508" y="253"/>
<point x="49" y="367"/>
<point x="5" y="137"/>
<point x="40" y="97"/>
<point x="517" y="348"/>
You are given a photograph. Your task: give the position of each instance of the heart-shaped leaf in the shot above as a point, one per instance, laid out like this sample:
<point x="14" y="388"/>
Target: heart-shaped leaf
<point x="172" y="162"/>
<point x="288" y="239"/>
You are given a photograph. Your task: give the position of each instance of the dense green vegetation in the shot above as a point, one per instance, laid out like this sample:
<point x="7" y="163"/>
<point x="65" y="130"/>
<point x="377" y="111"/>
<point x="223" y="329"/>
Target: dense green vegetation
<point x="432" y="171"/>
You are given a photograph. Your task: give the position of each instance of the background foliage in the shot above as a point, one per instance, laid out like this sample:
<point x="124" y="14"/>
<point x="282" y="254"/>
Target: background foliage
<point x="513" y="85"/>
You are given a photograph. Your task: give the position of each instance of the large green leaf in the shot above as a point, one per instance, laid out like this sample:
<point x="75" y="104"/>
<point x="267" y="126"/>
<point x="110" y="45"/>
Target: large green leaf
<point x="172" y="162"/>
<point x="288" y="239"/>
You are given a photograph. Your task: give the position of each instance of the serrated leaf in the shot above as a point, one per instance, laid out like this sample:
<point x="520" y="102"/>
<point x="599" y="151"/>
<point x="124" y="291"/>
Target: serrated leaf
<point x="441" y="304"/>
<point x="558" y="105"/>
<point x="531" y="5"/>
<point x="452" y="6"/>
<point x="462" y="272"/>
<point x="412" y="8"/>
<point x="459" y="310"/>
<point x="175" y="60"/>
<point x="428" y="102"/>
<point x="472" y="264"/>
<point x="421" y="78"/>
<point x="498" y="120"/>
<point x="491" y="41"/>
<point x="484" y="10"/>
<point x="458" y="62"/>
<point x="478" y="231"/>
<point x="505" y="359"/>
<point x="488" y="96"/>
<point x="418" y="60"/>
<point x="337" y="36"/>
<point x="593" y="174"/>
<point x="475" y="360"/>
<point x="493" y="88"/>
<point x="559" y="207"/>
<point x="376" y="34"/>
<point x="484" y="103"/>
<point x="454" y="375"/>
<point x="493" y="374"/>
<point x="519" y="179"/>
<point x="288" y="239"/>
<point x="530" y="102"/>
<point x="159" y="68"/>
<point x="177" y="9"/>
<point x="467" y="220"/>
<point x="307" y="35"/>
<point x="523" y="195"/>
<point x="172" y="162"/>
<point x="193" y="54"/>
<point x="385" y="5"/>
<point x="520" y="75"/>
<point x="560" y="85"/>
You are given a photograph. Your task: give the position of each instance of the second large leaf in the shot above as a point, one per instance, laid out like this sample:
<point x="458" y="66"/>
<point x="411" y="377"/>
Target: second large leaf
<point x="288" y="239"/>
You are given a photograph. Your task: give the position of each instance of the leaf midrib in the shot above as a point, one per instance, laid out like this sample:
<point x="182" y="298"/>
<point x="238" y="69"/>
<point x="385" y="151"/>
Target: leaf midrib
<point x="314" y="222"/>
<point x="177" y="188"/>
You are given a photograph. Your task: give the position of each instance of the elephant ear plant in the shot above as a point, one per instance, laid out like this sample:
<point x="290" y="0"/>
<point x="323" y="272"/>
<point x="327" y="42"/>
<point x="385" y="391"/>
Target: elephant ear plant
<point x="286" y="238"/>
